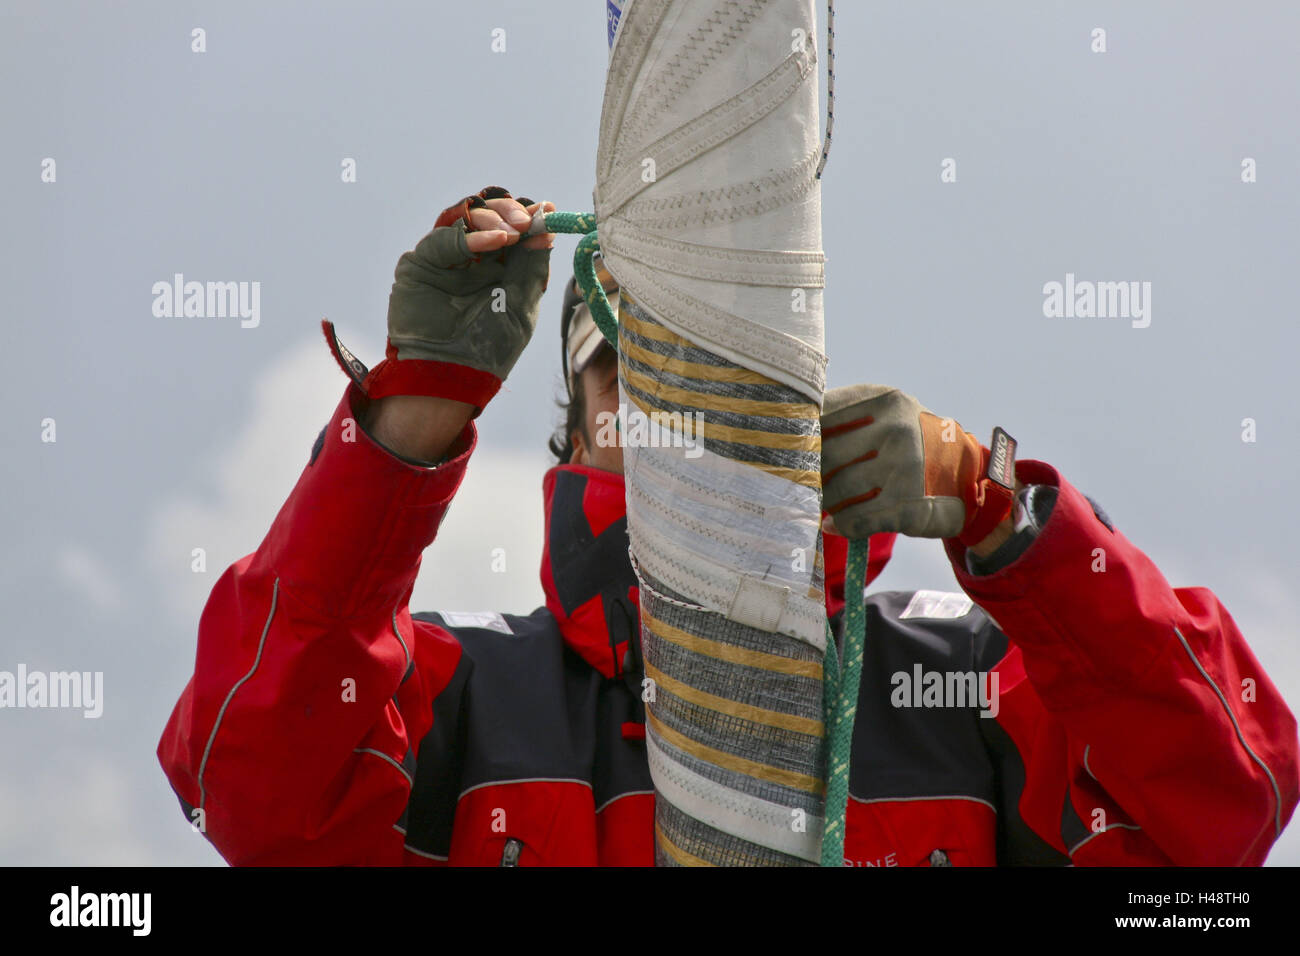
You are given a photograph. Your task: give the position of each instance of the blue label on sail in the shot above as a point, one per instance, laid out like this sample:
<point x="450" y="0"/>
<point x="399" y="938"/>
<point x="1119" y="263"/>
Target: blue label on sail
<point x="612" y="14"/>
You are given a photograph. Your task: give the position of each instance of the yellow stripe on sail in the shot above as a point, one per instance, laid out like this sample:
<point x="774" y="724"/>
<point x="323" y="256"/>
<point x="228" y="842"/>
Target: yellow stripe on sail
<point x="676" y="852"/>
<point x="727" y="403"/>
<point x="802" y="476"/>
<point x="758" y="715"/>
<point x="807" y="477"/>
<point x="696" y="370"/>
<point x="731" y="433"/>
<point x="660" y="333"/>
<point x="729" y="652"/>
<point x="740" y="765"/>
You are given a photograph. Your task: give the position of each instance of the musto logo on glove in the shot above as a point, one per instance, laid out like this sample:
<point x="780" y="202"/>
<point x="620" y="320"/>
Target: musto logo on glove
<point x="889" y="464"/>
<point x="459" y="320"/>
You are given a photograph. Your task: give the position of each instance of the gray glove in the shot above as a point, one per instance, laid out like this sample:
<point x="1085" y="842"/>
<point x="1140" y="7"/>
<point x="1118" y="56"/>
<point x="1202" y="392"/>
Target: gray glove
<point x="890" y="464"/>
<point x="458" y="321"/>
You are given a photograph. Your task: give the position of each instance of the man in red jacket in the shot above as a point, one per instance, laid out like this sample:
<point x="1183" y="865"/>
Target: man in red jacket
<point x="1069" y="707"/>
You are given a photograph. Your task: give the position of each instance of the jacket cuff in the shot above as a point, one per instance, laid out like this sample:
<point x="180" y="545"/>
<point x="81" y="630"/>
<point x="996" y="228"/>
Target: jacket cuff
<point x="996" y="565"/>
<point x="1032" y="510"/>
<point x="432" y="379"/>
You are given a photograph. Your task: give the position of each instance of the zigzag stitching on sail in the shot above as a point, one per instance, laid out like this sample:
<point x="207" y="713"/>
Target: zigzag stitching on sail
<point x="718" y="848"/>
<point x="677" y="148"/>
<point x="725" y="203"/>
<point x="729" y="332"/>
<point x="689" y="64"/>
<point x="701" y="528"/>
<point x="638" y="27"/>
<point x="771" y="268"/>
<point x="706" y="531"/>
<point x="699" y="487"/>
<point x="803" y="619"/>
<point x="672" y="64"/>
<point x="731" y="811"/>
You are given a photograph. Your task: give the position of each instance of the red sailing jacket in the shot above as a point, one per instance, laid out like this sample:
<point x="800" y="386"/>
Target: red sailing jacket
<point x="326" y="724"/>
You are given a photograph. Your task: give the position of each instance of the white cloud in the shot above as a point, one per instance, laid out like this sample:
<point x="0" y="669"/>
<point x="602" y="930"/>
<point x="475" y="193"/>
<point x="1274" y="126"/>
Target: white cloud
<point x="75" y="810"/>
<point x="251" y="472"/>
<point x="499" y="505"/>
<point x="87" y="575"/>
<point x="496" y="518"/>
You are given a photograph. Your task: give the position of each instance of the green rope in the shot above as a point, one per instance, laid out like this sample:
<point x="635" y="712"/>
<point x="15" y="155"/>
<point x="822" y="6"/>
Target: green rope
<point x="584" y="268"/>
<point x="839" y="683"/>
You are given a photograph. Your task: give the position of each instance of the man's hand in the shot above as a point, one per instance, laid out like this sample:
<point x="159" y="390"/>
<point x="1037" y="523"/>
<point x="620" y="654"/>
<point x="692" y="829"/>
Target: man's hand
<point x="889" y="464"/>
<point x="463" y="307"/>
<point x="465" y="301"/>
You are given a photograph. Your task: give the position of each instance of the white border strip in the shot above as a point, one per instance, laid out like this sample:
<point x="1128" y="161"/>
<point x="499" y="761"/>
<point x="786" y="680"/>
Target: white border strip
<point x="404" y="647"/>
<point x="723" y="808"/>
<point x="942" y="796"/>
<point x="1114" y="826"/>
<point x="1277" y="793"/>
<point x="381" y="754"/>
<point x="496" y="783"/>
<point x="630" y="793"/>
<point x="266" y="629"/>
<point x="407" y="846"/>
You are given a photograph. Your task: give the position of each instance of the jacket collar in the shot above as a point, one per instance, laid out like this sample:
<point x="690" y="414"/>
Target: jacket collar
<point x="588" y="579"/>
<point x="586" y="574"/>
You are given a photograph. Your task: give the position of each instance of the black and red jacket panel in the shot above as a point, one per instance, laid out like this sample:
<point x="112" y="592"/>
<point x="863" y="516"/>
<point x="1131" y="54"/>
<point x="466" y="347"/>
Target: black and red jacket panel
<point x="326" y="724"/>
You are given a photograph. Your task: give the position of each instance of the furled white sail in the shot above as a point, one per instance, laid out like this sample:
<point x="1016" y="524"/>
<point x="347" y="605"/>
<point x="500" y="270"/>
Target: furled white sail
<point x="709" y="215"/>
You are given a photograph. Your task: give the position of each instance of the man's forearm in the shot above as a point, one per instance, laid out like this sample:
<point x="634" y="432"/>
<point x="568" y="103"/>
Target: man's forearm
<point x="416" y="426"/>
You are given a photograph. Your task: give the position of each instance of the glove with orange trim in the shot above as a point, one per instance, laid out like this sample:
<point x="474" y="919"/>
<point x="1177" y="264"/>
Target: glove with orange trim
<point x="889" y="464"/>
<point x="465" y="300"/>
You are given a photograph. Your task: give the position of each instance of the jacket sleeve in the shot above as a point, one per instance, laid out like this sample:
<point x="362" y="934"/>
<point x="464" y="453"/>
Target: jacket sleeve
<point x="293" y="743"/>
<point x="1147" y="730"/>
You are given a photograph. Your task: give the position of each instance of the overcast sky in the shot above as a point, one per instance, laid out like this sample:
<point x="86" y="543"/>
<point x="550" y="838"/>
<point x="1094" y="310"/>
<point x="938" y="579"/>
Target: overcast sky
<point x="174" y="434"/>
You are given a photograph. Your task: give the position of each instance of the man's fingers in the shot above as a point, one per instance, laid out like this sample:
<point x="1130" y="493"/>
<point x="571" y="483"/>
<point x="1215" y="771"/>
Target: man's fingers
<point x="488" y="230"/>
<point x="511" y="213"/>
<point x="485" y="219"/>
<point x="488" y="241"/>
<point x="502" y="222"/>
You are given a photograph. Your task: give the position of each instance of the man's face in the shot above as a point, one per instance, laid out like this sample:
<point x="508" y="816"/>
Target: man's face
<point x="600" y="394"/>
